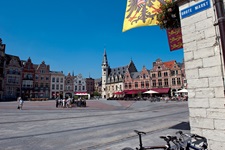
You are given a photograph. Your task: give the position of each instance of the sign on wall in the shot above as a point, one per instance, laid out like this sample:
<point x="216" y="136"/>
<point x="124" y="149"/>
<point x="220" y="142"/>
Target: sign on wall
<point x="195" y="9"/>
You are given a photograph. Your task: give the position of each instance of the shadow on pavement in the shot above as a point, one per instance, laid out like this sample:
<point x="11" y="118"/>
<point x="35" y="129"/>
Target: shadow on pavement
<point x="181" y="126"/>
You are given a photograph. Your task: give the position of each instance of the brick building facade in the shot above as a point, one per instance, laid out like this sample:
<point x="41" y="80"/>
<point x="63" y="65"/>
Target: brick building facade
<point x="12" y="77"/>
<point x="2" y="66"/>
<point x="42" y="81"/>
<point x="28" y="75"/>
<point x="57" y="84"/>
<point x="165" y="78"/>
<point x="90" y="85"/>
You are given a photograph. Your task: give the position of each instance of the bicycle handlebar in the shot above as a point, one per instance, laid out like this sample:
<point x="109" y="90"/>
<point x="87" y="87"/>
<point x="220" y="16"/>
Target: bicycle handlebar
<point x="195" y="136"/>
<point x="198" y="137"/>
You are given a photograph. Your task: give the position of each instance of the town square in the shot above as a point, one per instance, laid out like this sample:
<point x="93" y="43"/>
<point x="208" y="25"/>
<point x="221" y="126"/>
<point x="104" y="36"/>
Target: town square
<point x="99" y="126"/>
<point x="108" y="75"/>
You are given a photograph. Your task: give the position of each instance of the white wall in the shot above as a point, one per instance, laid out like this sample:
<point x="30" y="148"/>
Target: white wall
<point x="204" y="73"/>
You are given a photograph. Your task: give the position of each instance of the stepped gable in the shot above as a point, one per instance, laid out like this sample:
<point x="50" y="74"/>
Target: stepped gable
<point x="8" y="58"/>
<point x="43" y="64"/>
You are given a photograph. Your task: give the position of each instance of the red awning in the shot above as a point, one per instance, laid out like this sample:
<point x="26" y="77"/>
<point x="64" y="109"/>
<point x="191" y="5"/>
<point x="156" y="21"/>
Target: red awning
<point x="118" y="93"/>
<point x="134" y="91"/>
<point x="161" y="90"/>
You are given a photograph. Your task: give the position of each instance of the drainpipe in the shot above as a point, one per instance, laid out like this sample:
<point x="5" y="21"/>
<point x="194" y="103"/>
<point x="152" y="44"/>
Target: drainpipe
<point x="219" y="5"/>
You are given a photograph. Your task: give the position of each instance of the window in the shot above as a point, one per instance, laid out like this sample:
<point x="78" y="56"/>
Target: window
<point x="160" y="82"/>
<point x="36" y="77"/>
<point x="142" y="84"/>
<point x="136" y="84"/>
<point x="126" y="85"/>
<point x="47" y="78"/>
<point x="166" y="83"/>
<point x="36" y="84"/>
<point x="53" y="79"/>
<point x="27" y="84"/>
<point x="165" y="74"/>
<point x="46" y="85"/>
<point x="173" y="81"/>
<point x="57" y="80"/>
<point x="10" y="79"/>
<point x="172" y="73"/>
<point x="61" y="87"/>
<point x="61" y="80"/>
<point x="130" y="86"/>
<point x="159" y="74"/>
<point x="147" y="84"/>
<point x="178" y="81"/>
<point x="53" y="86"/>
<point x="83" y="88"/>
<point x="57" y="87"/>
<point x="153" y="75"/>
<point x="154" y="83"/>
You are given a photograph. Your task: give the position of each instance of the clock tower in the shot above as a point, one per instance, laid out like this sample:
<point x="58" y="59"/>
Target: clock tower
<point x="105" y="69"/>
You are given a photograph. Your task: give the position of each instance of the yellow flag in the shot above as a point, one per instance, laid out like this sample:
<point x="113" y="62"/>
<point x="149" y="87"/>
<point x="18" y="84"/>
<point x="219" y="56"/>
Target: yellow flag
<point x="141" y="13"/>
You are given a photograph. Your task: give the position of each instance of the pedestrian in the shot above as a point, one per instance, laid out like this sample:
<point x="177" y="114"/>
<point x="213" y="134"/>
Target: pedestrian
<point x="20" y="101"/>
<point x="57" y="102"/>
<point x="68" y="102"/>
<point x="64" y="102"/>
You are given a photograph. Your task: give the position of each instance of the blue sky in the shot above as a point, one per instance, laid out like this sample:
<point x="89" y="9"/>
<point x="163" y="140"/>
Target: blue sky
<point x="70" y="35"/>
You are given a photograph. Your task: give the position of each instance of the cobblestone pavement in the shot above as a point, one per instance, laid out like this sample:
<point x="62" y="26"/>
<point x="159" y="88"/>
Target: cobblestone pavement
<point x="50" y="105"/>
<point x="102" y="125"/>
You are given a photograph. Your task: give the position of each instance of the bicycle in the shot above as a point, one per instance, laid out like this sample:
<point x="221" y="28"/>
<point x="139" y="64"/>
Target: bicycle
<point x="168" y="139"/>
<point x="194" y="142"/>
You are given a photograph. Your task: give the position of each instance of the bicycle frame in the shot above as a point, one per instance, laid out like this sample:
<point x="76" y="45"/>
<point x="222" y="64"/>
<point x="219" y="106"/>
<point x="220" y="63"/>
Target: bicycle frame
<point x="163" y="147"/>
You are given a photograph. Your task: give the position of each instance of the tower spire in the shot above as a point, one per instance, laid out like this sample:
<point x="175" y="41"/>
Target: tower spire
<point x="105" y="61"/>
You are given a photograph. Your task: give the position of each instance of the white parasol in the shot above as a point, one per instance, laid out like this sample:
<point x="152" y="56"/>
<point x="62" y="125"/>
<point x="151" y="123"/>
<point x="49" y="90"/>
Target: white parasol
<point x="183" y="91"/>
<point x="150" y="92"/>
